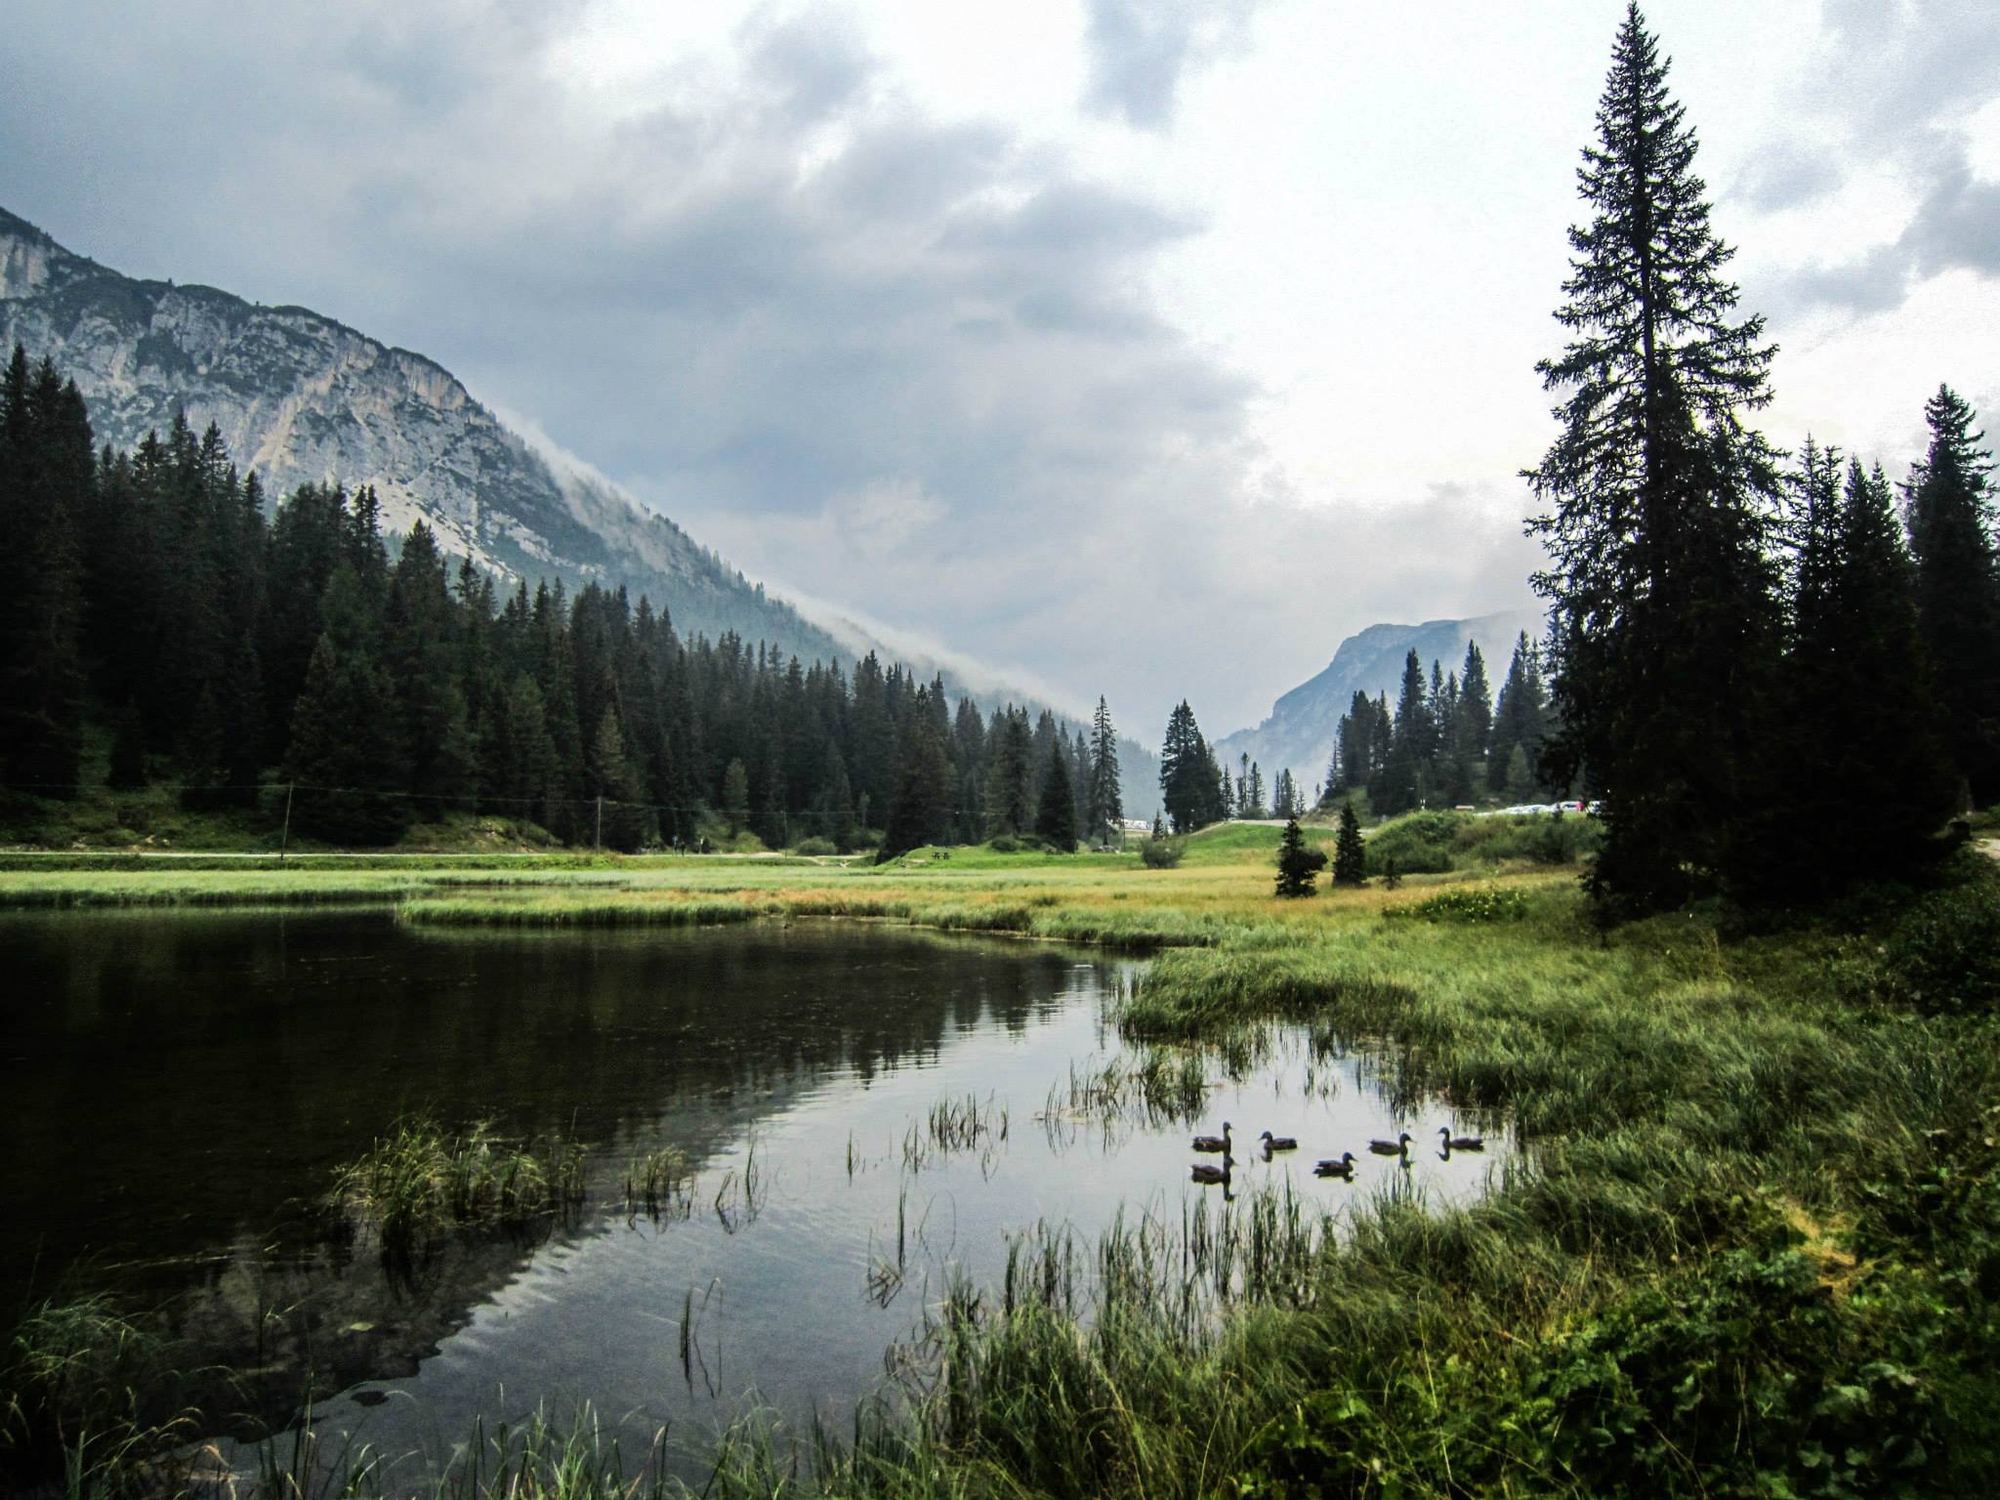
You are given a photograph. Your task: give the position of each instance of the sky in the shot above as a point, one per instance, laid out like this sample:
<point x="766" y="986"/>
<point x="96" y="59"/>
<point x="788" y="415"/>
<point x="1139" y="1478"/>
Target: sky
<point x="1136" y="347"/>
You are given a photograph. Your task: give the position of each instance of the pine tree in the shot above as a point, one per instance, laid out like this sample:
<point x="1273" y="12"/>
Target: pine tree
<point x="1472" y="726"/>
<point x="1859" y="778"/>
<point x="524" y="755"/>
<point x="421" y="662"/>
<point x="1950" y="513"/>
<point x="920" y="803"/>
<point x="343" y="754"/>
<point x="46" y="474"/>
<point x="1107" y="802"/>
<point x="1404" y="782"/>
<point x="1519" y="722"/>
<point x="736" y="796"/>
<point x="1350" y="853"/>
<point x="1055" y="819"/>
<point x="1009" y="774"/>
<point x="1298" y="866"/>
<point x="1285" y="799"/>
<point x="613" y="778"/>
<point x="1662" y="598"/>
<point x="1189" y="777"/>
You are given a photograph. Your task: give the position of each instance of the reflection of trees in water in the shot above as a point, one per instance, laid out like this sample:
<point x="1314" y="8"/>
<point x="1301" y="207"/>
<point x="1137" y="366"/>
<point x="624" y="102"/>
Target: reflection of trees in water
<point x="185" y="1085"/>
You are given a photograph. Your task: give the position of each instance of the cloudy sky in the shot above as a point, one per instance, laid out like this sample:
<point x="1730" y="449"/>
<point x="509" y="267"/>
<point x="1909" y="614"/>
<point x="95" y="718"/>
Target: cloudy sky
<point x="1142" y="346"/>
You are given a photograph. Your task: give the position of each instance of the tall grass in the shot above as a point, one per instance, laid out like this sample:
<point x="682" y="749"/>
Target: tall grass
<point x="82" y="1385"/>
<point x="659" y="1184"/>
<point x="420" y="1180"/>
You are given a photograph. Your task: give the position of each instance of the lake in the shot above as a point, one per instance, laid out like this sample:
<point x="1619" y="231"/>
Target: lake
<point x="182" y="1087"/>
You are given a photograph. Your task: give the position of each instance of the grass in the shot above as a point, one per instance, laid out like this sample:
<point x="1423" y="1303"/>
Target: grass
<point x="420" y="1180"/>
<point x="81" y="1386"/>
<point x="1749" y="1243"/>
<point x="659" y="1184"/>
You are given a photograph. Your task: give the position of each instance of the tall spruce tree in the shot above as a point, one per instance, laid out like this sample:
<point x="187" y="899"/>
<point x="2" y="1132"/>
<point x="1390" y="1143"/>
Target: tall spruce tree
<point x="46" y="474"/>
<point x="1055" y="816"/>
<point x="1009" y="774"/>
<point x="920" y="801"/>
<point x="1107" y="801"/>
<point x="1405" y="776"/>
<point x="1950" y="513"/>
<point x="1190" y="779"/>
<point x="1661" y="594"/>
<point x="1859" y="780"/>
<point x="1350" y="853"/>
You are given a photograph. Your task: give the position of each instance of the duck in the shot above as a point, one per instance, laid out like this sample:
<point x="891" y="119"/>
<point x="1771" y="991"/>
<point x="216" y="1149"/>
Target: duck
<point x="1400" y="1146"/>
<point x="1278" y="1142"/>
<point x="1215" y="1142"/>
<point x="1461" y="1142"/>
<point x="1342" y="1168"/>
<point x="1209" y="1176"/>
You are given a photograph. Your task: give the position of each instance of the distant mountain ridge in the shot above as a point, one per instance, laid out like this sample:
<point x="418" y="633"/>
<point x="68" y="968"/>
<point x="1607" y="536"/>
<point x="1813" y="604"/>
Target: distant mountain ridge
<point x="1299" y="732"/>
<point x="301" y="398"/>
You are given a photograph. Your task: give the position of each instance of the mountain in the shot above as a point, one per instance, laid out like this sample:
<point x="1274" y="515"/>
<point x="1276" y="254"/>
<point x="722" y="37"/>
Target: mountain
<point x="1299" y="732"/>
<point x="301" y="398"/>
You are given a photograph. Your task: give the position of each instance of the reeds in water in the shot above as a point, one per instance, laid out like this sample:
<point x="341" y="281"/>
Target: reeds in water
<point x="953" y="1126"/>
<point x="659" y="1184"/>
<point x="420" y="1180"/>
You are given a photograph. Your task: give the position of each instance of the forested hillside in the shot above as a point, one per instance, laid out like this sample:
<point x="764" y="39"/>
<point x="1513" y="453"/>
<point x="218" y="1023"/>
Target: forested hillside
<point x="277" y="662"/>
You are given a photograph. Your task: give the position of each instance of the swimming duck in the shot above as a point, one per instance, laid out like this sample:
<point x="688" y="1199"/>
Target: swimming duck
<point x="1400" y="1146"/>
<point x="1461" y="1142"/>
<point x="1343" y="1168"/>
<point x="1278" y="1142"/>
<point x="1215" y="1142"/>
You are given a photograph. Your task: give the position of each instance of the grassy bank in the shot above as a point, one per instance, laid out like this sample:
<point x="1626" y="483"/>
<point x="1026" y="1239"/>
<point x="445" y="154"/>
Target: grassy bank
<point x="1750" y="1244"/>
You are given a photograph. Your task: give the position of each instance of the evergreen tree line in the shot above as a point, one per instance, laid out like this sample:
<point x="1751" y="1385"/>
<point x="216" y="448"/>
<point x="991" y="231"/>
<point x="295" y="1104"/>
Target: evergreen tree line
<point x="236" y="654"/>
<point x="1447" y="741"/>
<point x="1776" y="677"/>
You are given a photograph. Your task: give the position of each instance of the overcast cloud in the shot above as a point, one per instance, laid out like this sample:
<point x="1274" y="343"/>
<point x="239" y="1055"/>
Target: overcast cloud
<point x="1151" y="348"/>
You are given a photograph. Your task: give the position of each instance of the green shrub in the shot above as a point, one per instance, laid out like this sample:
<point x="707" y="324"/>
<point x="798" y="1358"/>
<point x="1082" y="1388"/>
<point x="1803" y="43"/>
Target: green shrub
<point x="1160" y="854"/>
<point x="1420" y="844"/>
<point x="1745" y="1376"/>
<point x="1466" y="904"/>
<point x="1944" y="955"/>
<point x="1004" y="843"/>
<point x="816" y="847"/>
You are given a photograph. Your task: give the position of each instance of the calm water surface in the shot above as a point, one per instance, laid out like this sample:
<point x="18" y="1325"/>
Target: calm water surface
<point x="180" y="1089"/>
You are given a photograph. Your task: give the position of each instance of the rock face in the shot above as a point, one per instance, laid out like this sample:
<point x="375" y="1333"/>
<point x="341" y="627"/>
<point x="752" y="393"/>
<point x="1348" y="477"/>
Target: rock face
<point x="300" y="398"/>
<point x="1299" y="732"/>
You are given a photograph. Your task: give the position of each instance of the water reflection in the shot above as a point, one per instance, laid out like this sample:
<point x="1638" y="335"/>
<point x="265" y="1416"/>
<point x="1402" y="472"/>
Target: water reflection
<point x="868" y="1116"/>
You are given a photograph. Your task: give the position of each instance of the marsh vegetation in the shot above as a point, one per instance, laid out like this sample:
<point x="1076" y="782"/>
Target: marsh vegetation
<point x="1737" y="1171"/>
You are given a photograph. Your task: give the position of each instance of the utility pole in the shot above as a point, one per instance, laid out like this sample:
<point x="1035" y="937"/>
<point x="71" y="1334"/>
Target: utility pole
<point x="285" y="841"/>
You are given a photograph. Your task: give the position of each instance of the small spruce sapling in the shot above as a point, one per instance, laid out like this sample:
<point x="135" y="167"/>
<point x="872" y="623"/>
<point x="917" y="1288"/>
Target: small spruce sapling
<point x="1298" y="866"/>
<point x="1350" y="855"/>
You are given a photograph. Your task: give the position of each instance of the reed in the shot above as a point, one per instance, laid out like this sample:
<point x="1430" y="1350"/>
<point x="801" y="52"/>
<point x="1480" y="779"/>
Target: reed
<point x="87" y="1404"/>
<point x="659" y="1184"/>
<point x="419" y="1180"/>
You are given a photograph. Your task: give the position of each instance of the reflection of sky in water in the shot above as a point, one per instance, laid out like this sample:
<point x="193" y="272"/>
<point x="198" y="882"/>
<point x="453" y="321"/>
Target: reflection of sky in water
<point x="782" y="1304"/>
